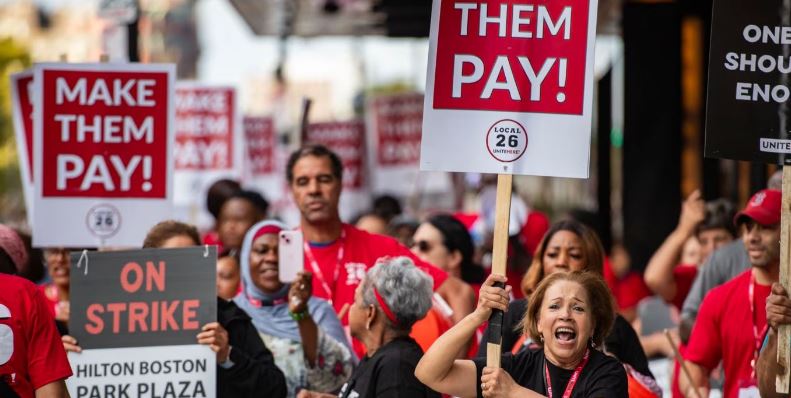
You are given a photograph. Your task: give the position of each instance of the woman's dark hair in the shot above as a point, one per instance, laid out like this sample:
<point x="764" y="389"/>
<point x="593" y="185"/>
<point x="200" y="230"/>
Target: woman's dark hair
<point x="317" y="151"/>
<point x="455" y="236"/>
<point x="387" y="207"/>
<point x="592" y="253"/>
<point x="600" y="303"/>
<point x="719" y="215"/>
<point x="256" y="199"/>
<point x="165" y="230"/>
<point x="218" y="193"/>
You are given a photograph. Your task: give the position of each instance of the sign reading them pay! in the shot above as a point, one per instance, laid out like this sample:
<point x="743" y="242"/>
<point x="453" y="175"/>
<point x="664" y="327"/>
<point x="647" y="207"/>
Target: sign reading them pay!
<point x="102" y="152"/>
<point x="509" y="87"/>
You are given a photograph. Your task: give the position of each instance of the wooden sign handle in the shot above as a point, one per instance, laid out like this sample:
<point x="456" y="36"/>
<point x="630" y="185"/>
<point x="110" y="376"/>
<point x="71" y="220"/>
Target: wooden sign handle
<point x="784" y="334"/>
<point x="499" y="258"/>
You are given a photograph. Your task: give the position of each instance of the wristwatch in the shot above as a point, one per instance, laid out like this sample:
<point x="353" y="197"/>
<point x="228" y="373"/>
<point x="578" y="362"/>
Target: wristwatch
<point x="298" y="316"/>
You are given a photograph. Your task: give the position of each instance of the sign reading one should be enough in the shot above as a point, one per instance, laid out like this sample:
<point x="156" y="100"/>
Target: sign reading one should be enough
<point x="509" y="87"/>
<point x="102" y="152"/>
<point x="749" y="81"/>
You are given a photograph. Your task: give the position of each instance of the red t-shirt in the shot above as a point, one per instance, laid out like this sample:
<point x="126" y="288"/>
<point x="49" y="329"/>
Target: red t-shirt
<point x="723" y="330"/>
<point x="50" y="293"/>
<point x="360" y="252"/>
<point x="684" y="275"/>
<point x="29" y="336"/>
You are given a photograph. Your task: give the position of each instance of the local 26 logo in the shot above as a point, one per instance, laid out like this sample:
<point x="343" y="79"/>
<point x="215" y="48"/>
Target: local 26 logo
<point x="103" y="220"/>
<point x="506" y="140"/>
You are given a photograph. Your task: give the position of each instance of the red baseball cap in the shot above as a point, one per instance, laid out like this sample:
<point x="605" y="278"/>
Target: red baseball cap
<point x="763" y="208"/>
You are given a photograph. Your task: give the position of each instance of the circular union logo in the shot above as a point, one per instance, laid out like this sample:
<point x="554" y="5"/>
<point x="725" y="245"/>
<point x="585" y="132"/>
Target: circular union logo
<point x="103" y="220"/>
<point x="506" y="140"/>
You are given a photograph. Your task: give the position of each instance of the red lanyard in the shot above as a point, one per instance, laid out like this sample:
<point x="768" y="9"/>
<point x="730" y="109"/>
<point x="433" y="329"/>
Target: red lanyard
<point x="314" y="265"/>
<point x="572" y="381"/>
<point x="759" y="338"/>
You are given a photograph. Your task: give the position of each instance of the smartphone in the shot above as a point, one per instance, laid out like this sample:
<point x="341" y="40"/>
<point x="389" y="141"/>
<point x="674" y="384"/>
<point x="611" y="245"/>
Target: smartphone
<point x="291" y="258"/>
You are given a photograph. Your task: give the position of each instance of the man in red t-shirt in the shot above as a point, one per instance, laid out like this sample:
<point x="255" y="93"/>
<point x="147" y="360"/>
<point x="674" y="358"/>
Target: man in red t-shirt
<point x="731" y="323"/>
<point x="339" y="254"/>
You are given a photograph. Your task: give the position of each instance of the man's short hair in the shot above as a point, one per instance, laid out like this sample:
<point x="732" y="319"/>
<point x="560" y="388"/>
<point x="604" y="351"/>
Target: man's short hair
<point x="317" y="151"/>
<point x="719" y="215"/>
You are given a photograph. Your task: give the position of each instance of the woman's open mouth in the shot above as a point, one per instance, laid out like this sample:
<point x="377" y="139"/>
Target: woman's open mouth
<point x="565" y="334"/>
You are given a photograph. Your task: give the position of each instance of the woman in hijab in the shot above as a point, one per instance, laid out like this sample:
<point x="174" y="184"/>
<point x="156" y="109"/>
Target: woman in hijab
<point x="303" y="332"/>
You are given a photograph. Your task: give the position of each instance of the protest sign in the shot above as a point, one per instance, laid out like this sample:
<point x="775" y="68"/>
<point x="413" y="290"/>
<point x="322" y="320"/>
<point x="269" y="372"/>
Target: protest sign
<point x="347" y="140"/>
<point x="136" y="315"/>
<point x="208" y="146"/>
<point x="102" y="163"/>
<point x="748" y="90"/>
<point x="265" y="158"/>
<point x="22" y="108"/>
<point x="509" y="87"/>
<point x="395" y="124"/>
<point x="747" y="108"/>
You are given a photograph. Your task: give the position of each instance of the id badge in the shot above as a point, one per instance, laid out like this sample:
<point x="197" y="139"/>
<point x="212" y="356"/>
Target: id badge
<point x="748" y="389"/>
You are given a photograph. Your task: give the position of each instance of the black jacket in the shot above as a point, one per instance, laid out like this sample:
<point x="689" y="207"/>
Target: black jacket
<point x="254" y="372"/>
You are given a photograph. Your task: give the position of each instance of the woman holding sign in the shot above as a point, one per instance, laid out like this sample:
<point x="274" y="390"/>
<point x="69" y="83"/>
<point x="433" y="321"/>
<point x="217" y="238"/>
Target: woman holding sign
<point x="303" y="332"/>
<point x="568" y="316"/>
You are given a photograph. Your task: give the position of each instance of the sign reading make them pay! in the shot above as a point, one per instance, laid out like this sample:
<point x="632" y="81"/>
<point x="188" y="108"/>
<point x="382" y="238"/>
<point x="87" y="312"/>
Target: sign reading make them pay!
<point x="136" y="315"/>
<point x="747" y="115"/>
<point x="509" y="87"/>
<point x="102" y="152"/>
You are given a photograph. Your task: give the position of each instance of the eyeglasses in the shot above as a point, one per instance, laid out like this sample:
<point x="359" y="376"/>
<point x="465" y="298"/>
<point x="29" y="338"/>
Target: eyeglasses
<point x="422" y="246"/>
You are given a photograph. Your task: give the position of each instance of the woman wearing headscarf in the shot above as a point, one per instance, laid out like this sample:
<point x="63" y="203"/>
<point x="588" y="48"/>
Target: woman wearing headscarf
<point x="393" y="296"/>
<point x="303" y="332"/>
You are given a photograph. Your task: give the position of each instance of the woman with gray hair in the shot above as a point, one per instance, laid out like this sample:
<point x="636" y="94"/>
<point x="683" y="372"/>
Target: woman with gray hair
<point x="393" y="296"/>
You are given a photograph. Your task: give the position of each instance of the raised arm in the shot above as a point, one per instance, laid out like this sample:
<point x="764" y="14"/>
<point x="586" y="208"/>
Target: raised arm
<point x="659" y="272"/>
<point x="438" y="369"/>
<point x="778" y="312"/>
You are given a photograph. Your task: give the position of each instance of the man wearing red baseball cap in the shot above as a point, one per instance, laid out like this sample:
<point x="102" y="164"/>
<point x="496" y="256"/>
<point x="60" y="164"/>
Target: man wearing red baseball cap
<point x="731" y="324"/>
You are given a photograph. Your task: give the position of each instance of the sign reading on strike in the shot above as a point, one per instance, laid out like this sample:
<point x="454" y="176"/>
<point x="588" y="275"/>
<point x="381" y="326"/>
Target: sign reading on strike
<point x="22" y="107"/>
<point x="749" y="82"/>
<point x="136" y="315"/>
<point x="101" y="152"/>
<point x="347" y="139"/>
<point x="510" y="87"/>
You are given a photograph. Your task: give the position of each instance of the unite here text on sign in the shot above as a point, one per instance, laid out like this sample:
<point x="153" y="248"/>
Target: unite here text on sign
<point x="509" y="87"/>
<point x="102" y="152"/>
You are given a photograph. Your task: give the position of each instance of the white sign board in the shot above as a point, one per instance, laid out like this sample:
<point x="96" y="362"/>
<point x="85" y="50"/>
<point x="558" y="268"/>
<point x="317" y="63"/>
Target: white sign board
<point x="509" y="87"/>
<point x="102" y="153"/>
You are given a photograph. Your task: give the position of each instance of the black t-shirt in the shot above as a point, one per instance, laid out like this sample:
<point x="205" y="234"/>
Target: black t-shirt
<point x="602" y="377"/>
<point x="622" y="341"/>
<point x="389" y="373"/>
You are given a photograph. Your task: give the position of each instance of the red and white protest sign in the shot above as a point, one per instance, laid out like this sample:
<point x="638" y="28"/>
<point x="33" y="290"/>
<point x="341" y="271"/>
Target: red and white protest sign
<point x="395" y="127"/>
<point x="22" y="108"/>
<point x="208" y="146"/>
<point x="265" y="160"/>
<point x="347" y="140"/>
<point x="510" y="87"/>
<point x="102" y="152"/>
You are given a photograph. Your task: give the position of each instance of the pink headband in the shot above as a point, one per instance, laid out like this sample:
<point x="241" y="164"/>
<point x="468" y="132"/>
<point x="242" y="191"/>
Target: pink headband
<point x="266" y="229"/>
<point x="13" y="246"/>
<point x="388" y="313"/>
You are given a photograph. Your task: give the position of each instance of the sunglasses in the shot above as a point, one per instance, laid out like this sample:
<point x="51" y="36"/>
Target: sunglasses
<point x="422" y="246"/>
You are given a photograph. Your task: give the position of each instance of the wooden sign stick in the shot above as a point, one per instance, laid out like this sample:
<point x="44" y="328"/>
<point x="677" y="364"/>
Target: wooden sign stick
<point x="499" y="257"/>
<point x="784" y="334"/>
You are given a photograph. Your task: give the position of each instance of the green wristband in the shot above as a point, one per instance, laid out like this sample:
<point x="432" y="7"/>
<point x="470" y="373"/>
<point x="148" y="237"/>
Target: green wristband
<point x="298" y="316"/>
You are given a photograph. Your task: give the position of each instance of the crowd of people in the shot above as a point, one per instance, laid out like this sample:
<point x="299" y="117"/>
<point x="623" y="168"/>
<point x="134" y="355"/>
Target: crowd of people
<point x="397" y="307"/>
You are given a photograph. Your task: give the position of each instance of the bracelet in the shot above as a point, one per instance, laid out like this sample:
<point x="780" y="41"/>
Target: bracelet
<point x="298" y="316"/>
